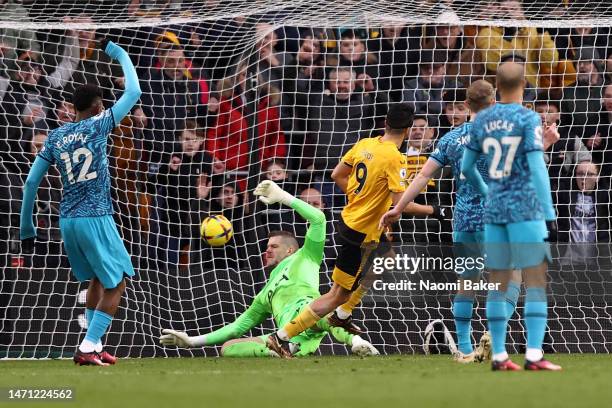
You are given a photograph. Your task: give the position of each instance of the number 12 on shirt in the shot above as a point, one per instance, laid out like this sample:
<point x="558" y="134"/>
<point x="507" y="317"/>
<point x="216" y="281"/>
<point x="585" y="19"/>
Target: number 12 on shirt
<point x="76" y="159"/>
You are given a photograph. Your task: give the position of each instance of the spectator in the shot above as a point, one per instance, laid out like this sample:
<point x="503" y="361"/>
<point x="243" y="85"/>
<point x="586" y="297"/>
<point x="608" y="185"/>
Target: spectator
<point x="271" y="64"/>
<point x="12" y="39"/>
<point x="188" y="177"/>
<point x="581" y="104"/>
<point x="212" y="43"/>
<point x="309" y="65"/>
<point x="391" y="47"/>
<point x="444" y="36"/>
<point x="455" y="112"/>
<point x="271" y="138"/>
<point x="171" y="95"/>
<point x="608" y="69"/>
<point x="276" y="170"/>
<point x="313" y="197"/>
<point x="153" y="8"/>
<point x="354" y="55"/>
<point x="227" y="139"/>
<point x="271" y="141"/>
<point x="425" y="92"/>
<point x="537" y="48"/>
<point x="563" y="155"/>
<point x="230" y="201"/>
<point x="339" y="118"/>
<point x="447" y="36"/>
<point x="63" y="112"/>
<point x="584" y="214"/>
<point x="420" y="145"/>
<point x="93" y="65"/>
<point x="601" y="144"/>
<point x="26" y="102"/>
<point x="308" y="77"/>
<point x="275" y="216"/>
<point x="570" y="40"/>
<point x="169" y="39"/>
<point x="420" y="137"/>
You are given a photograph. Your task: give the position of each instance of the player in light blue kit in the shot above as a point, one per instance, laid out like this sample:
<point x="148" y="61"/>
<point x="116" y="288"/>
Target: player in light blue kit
<point x="518" y="204"/>
<point x="467" y="218"/>
<point x="93" y="245"/>
<point x="468" y="225"/>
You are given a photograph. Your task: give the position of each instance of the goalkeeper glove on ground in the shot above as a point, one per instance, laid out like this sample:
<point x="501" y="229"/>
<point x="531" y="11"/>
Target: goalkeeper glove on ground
<point x="362" y="347"/>
<point x="175" y="338"/>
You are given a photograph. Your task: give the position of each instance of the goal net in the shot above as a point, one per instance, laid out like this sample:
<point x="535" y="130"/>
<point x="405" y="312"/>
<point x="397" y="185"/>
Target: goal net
<point x="235" y="92"/>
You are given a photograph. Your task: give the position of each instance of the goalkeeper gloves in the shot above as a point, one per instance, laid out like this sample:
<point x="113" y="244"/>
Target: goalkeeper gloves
<point x="362" y="348"/>
<point x="442" y="213"/>
<point x="176" y="338"/>
<point x="270" y="193"/>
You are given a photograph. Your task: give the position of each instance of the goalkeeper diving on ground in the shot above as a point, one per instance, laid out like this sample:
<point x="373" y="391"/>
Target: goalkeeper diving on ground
<point x="293" y="284"/>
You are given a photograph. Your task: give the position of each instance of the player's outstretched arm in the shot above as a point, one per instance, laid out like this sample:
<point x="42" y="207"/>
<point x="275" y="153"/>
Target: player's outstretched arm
<point x="405" y="203"/>
<point x="132" y="90"/>
<point x="37" y="172"/>
<point x="270" y="193"/>
<point x="468" y="168"/>
<point x="252" y="317"/>
<point x="541" y="182"/>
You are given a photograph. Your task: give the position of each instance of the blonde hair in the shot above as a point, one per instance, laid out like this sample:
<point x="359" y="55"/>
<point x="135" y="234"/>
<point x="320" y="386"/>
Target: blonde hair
<point x="479" y="95"/>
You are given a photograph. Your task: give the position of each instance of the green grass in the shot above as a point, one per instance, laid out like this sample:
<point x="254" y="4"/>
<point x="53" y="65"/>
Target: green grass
<point x="397" y="381"/>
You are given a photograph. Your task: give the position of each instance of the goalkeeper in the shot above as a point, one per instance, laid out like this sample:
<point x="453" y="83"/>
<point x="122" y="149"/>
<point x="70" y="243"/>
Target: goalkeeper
<point x="293" y="284"/>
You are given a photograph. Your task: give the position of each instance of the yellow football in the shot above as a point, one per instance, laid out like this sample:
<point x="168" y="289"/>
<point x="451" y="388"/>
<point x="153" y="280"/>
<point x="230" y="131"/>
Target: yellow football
<point x="216" y="230"/>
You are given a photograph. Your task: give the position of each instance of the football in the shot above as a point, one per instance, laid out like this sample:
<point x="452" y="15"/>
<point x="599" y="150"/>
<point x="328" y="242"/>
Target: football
<point x="216" y="230"/>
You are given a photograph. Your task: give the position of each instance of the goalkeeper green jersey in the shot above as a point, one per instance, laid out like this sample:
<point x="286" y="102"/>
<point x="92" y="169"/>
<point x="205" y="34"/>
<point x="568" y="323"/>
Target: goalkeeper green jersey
<point x="293" y="284"/>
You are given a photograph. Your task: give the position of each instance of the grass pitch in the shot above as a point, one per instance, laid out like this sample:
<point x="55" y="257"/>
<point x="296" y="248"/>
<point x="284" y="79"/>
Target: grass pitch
<point x="396" y="381"/>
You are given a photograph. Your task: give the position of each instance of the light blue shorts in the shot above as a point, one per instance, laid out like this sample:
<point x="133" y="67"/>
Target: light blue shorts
<point x="516" y="245"/>
<point x="95" y="249"/>
<point x="469" y="247"/>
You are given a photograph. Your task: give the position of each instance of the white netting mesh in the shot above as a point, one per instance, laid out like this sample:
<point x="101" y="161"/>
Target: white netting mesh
<point x="238" y="91"/>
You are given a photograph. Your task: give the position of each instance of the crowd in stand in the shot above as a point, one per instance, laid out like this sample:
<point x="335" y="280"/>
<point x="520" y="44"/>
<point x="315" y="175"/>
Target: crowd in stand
<point x="220" y="109"/>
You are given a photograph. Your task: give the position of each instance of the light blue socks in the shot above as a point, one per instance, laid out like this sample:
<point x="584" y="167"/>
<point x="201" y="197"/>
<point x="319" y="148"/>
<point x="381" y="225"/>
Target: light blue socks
<point x="497" y="317"/>
<point x="462" y="310"/>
